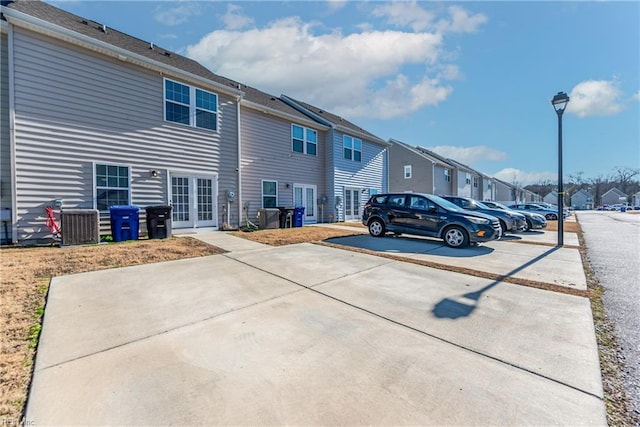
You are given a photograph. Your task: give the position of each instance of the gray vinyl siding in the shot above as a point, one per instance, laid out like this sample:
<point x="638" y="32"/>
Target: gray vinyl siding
<point x="422" y="170"/>
<point x="267" y="155"/>
<point x="442" y="186"/>
<point x="5" y="135"/>
<point x="74" y="107"/>
<point x="370" y="173"/>
<point x="503" y="192"/>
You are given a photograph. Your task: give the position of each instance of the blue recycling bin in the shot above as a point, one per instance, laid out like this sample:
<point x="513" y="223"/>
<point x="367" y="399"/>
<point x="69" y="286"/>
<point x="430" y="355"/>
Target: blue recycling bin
<point x="125" y="222"/>
<point x="298" y="216"/>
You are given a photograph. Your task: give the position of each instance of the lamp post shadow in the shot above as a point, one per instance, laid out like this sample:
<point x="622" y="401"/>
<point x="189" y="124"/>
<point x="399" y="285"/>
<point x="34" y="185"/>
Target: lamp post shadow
<point x="464" y="305"/>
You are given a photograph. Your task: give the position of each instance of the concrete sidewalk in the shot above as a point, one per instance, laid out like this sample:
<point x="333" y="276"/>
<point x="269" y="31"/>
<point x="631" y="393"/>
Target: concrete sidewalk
<point x="312" y="335"/>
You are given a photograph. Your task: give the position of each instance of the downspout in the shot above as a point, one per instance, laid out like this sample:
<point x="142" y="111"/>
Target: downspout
<point x="433" y="177"/>
<point x="239" y="166"/>
<point x="12" y="137"/>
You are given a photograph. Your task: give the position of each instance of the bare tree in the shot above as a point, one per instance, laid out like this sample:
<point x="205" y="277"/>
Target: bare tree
<point x="624" y="177"/>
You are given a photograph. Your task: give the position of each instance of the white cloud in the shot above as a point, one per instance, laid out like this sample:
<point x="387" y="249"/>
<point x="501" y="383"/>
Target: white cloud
<point x="522" y="178"/>
<point x="470" y="155"/>
<point x="636" y="96"/>
<point x="234" y="19"/>
<point x="595" y="98"/>
<point x="179" y="14"/>
<point x="361" y="74"/>
<point x="335" y="5"/>
<point x="461" y="21"/>
<point x="405" y="14"/>
<point x="412" y="15"/>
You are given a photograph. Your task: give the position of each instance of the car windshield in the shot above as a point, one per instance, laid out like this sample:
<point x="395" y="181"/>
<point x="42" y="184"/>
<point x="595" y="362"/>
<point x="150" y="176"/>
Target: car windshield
<point x="497" y="205"/>
<point x="482" y="205"/>
<point x="444" y="203"/>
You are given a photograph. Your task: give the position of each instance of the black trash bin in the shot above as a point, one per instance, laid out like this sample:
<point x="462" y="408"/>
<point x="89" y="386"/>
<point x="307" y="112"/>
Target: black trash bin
<point x="286" y="217"/>
<point x="158" y="222"/>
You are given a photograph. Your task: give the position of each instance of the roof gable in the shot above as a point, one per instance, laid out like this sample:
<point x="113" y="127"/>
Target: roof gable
<point x="333" y="120"/>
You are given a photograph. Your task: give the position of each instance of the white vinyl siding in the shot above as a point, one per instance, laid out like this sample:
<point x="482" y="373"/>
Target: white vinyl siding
<point x="370" y="173"/>
<point x="75" y="108"/>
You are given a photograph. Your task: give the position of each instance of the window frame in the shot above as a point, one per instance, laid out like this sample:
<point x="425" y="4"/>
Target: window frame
<point x="407" y="171"/>
<point x="351" y="151"/>
<point x="467" y="178"/>
<point x="195" y="110"/>
<point x="475" y="182"/>
<point x="263" y="195"/>
<point x="309" y="144"/>
<point x="447" y="175"/>
<point x="97" y="188"/>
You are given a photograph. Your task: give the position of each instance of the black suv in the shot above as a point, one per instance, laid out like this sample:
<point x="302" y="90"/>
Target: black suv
<point x="428" y="215"/>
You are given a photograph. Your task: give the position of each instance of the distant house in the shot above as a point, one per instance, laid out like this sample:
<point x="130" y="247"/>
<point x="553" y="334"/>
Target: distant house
<point x="551" y="198"/>
<point x="582" y="200"/>
<point x="635" y="200"/>
<point x="416" y="169"/>
<point x="614" y="196"/>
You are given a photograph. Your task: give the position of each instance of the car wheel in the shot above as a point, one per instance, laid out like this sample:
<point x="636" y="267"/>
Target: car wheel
<point x="455" y="237"/>
<point x="551" y="217"/>
<point x="503" y="225"/>
<point x="529" y="226"/>
<point x="376" y="228"/>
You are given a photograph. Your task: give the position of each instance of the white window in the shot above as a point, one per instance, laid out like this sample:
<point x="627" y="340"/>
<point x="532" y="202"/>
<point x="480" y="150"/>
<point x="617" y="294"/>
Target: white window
<point x="112" y="185"/>
<point x="269" y="194"/>
<point x="407" y="171"/>
<point x="352" y="148"/>
<point x="475" y="182"/>
<point x="468" y="178"/>
<point x="190" y="106"/>
<point x="447" y="175"/>
<point x="304" y="140"/>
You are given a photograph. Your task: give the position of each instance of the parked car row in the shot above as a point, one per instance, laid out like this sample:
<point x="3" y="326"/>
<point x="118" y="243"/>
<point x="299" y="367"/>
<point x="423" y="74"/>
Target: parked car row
<point x="458" y="221"/>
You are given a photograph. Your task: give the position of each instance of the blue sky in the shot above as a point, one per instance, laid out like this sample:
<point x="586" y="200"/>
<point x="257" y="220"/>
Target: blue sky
<point x="470" y="80"/>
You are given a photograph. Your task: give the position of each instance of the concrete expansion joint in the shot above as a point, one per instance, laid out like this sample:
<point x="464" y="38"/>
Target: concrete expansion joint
<point x="413" y="329"/>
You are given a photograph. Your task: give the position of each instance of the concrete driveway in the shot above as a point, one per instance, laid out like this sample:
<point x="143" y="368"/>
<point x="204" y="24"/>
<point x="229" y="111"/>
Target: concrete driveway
<point x="314" y="335"/>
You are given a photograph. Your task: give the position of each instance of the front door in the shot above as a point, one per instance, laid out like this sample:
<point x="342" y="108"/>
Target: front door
<point x="193" y="198"/>
<point x="305" y="195"/>
<point x="352" y="204"/>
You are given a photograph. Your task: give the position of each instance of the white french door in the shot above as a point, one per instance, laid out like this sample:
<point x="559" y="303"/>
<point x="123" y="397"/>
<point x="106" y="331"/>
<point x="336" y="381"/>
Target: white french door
<point x="306" y="195"/>
<point x="352" y="204"/>
<point x="193" y="198"/>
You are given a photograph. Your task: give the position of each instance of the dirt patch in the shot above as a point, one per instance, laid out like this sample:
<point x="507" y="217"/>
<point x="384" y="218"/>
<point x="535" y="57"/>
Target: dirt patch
<point x="26" y="273"/>
<point x="290" y="236"/>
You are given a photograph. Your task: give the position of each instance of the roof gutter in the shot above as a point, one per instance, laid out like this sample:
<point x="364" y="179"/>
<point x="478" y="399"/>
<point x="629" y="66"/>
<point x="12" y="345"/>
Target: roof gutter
<point x="23" y="20"/>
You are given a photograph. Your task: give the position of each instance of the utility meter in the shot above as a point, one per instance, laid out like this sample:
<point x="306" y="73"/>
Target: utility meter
<point x="231" y="196"/>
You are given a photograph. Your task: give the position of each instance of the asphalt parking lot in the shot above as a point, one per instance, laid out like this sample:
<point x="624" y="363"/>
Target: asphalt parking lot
<point x="316" y="335"/>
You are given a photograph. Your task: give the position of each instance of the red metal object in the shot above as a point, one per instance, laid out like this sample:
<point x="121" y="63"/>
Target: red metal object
<point x="54" y="228"/>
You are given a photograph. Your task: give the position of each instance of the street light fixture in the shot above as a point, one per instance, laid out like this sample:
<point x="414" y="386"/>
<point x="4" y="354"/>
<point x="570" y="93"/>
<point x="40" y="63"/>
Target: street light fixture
<point x="559" y="103"/>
